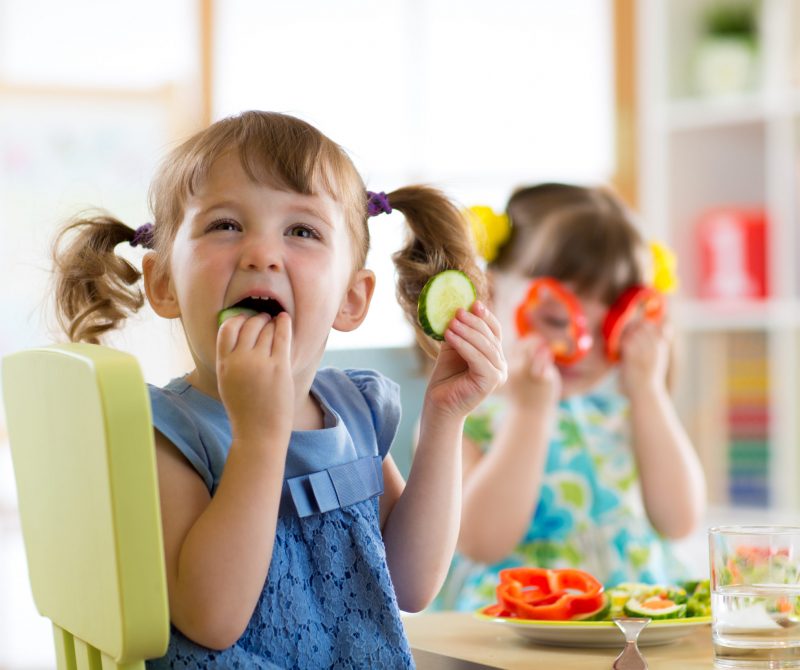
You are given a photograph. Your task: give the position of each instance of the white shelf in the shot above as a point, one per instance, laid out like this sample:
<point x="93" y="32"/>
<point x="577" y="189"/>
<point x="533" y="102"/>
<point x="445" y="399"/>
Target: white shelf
<point x="740" y="150"/>
<point x="686" y="114"/>
<point x="699" y="113"/>
<point x="740" y="315"/>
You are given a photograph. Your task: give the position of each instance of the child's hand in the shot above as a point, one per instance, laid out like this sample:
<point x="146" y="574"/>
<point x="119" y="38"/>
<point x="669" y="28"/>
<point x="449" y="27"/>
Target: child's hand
<point x="533" y="378"/>
<point x="254" y="375"/>
<point x="645" y="356"/>
<point x="470" y="364"/>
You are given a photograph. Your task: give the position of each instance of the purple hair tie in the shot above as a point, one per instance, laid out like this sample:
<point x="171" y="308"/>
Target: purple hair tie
<point x="378" y="203"/>
<point x="143" y="236"/>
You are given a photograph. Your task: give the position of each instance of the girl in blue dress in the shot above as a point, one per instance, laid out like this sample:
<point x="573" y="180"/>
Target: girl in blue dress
<point x="291" y="539"/>
<point x="582" y="465"/>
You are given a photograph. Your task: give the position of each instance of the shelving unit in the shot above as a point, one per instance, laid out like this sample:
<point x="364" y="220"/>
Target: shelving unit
<point x="699" y="152"/>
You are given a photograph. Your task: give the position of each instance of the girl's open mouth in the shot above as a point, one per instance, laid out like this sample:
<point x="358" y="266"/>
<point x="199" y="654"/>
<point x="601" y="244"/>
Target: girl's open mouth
<point x="267" y="305"/>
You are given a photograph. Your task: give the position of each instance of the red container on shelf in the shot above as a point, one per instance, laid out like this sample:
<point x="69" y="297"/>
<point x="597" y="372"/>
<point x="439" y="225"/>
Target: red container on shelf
<point x="733" y="254"/>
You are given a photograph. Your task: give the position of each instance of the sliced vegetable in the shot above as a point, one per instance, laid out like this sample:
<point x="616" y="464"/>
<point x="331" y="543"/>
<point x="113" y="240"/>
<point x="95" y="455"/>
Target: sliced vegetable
<point x="602" y="614"/>
<point x="575" y="341"/>
<point x="539" y="593"/>
<point x="638" y="302"/>
<point x="440" y="299"/>
<point x="655" y="608"/>
<point x="226" y="314"/>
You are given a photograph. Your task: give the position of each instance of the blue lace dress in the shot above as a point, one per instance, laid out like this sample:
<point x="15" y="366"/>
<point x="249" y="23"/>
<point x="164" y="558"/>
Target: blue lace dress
<point x="328" y="601"/>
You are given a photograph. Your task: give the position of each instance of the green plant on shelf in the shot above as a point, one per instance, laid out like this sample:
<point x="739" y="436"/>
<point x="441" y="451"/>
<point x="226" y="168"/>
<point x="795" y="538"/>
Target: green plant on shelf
<point x="726" y="59"/>
<point x="732" y="20"/>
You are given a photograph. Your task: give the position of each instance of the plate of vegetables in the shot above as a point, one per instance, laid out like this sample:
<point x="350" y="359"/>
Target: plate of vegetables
<point x="572" y="608"/>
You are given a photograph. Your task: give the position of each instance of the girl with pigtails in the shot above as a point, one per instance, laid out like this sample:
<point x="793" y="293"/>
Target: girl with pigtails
<point x="291" y="539"/>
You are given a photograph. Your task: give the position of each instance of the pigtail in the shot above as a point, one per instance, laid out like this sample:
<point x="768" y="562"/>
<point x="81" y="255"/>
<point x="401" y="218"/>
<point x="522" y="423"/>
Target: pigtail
<point x="439" y="240"/>
<point x="95" y="289"/>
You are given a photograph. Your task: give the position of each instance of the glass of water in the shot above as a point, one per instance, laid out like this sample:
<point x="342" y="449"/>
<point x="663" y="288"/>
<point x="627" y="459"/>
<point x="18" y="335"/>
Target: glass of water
<point x="755" y="596"/>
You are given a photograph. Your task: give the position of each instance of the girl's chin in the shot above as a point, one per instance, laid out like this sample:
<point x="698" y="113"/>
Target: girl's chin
<point x="576" y="382"/>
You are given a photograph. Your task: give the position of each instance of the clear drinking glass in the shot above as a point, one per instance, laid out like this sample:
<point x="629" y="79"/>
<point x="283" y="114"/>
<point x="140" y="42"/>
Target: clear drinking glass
<point x="755" y="596"/>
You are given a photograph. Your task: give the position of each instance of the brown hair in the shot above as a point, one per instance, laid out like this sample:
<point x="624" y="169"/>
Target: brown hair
<point x="583" y="235"/>
<point x="95" y="289"/>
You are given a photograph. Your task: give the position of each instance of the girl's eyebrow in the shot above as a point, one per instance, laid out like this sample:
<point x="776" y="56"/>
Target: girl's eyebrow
<point x="313" y="211"/>
<point x="216" y="205"/>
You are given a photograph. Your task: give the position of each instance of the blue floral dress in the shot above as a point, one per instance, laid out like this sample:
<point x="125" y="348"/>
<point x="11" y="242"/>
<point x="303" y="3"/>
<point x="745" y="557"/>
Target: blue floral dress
<point x="328" y="600"/>
<point x="590" y="513"/>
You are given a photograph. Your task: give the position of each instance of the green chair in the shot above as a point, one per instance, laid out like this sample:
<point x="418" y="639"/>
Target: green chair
<point x="84" y="462"/>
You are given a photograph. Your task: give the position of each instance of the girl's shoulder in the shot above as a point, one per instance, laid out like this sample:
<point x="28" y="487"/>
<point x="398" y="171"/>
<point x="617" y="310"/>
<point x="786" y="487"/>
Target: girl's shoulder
<point x="195" y="423"/>
<point x="369" y="383"/>
<point x="363" y="396"/>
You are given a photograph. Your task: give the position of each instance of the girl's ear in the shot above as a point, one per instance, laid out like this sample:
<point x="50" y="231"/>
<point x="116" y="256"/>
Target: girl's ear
<point x="159" y="290"/>
<point x="355" y="304"/>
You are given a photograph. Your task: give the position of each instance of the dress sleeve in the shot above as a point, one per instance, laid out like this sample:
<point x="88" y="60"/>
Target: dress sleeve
<point x="173" y="418"/>
<point x="383" y="398"/>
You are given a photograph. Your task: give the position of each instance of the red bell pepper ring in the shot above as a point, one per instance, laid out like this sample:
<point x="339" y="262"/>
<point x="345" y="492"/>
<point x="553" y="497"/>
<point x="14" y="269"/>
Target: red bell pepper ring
<point x="553" y="595"/>
<point x="637" y="302"/>
<point x="579" y="341"/>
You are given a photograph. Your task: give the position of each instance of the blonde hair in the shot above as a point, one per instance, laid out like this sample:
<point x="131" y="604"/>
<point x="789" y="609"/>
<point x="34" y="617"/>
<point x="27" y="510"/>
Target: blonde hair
<point x="96" y="289"/>
<point x="583" y="235"/>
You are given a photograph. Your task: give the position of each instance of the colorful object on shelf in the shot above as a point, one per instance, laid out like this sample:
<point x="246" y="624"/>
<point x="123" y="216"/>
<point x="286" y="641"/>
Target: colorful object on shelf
<point x="733" y="260"/>
<point x="552" y="310"/>
<point x="747" y="428"/>
<point x="665" y="275"/>
<point x="490" y="230"/>
<point x="636" y="304"/>
<point x="542" y="594"/>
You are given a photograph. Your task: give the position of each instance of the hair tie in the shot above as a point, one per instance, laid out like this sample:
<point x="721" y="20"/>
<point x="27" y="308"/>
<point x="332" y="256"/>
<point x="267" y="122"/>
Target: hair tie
<point x="378" y="203"/>
<point x="665" y="276"/>
<point x="143" y="236"/>
<point x="490" y="230"/>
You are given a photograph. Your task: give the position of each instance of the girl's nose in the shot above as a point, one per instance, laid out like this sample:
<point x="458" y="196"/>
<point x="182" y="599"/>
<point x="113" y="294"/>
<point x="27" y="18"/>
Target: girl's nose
<point x="261" y="253"/>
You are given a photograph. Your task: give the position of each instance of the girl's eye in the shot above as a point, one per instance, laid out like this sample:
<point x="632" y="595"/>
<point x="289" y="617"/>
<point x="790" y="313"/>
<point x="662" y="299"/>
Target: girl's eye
<point x="302" y="230"/>
<point x="555" y="322"/>
<point x="224" y="224"/>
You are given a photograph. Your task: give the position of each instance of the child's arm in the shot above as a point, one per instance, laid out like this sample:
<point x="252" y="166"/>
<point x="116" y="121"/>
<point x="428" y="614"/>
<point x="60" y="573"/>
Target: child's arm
<point x="501" y="487"/>
<point x="422" y="519"/>
<point x="218" y="550"/>
<point x="673" y="484"/>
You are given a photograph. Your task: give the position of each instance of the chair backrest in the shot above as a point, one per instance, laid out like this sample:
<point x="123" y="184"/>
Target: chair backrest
<point x="403" y="365"/>
<point x="82" y="449"/>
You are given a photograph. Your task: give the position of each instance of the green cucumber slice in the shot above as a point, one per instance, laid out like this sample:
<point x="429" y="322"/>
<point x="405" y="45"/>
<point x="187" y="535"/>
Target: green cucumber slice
<point x="600" y="614"/>
<point x="665" y="609"/>
<point x="440" y="299"/>
<point x="226" y="314"/>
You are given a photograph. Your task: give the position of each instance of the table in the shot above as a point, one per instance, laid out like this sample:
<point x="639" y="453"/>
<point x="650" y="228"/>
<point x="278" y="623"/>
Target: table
<point x="460" y="635"/>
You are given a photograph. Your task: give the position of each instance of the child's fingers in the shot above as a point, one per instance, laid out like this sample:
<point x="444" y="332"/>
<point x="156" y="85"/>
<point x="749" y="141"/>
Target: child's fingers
<point x="477" y="323"/>
<point x="477" y="333"/>
<point x="281" y="336"/>
<point x="251" y="330"/>
<point x="541" y="360"/>
<point x="228" y="334"/>
<point x="264" y="338"/>
<point x="481" y="357"/>
<point x="480" y="310"/>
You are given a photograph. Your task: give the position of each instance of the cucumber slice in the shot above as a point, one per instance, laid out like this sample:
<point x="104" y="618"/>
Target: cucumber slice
<point x="655" y="608"/>
<point x="440" y="299"/>
<point x="226" y="314"/>
<point x="600" y="614"/>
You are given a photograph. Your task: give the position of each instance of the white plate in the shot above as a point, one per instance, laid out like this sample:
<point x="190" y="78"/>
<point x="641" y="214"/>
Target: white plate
<point x="595" y="633"/>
